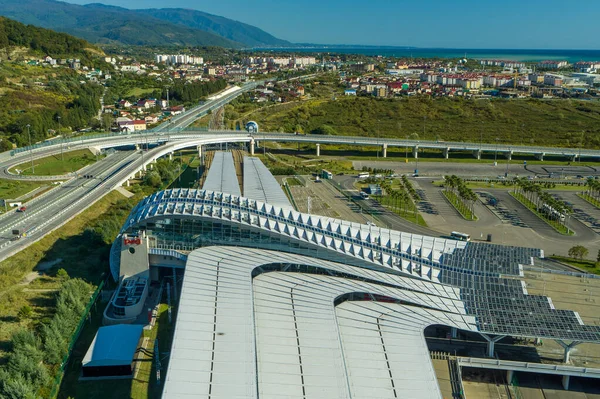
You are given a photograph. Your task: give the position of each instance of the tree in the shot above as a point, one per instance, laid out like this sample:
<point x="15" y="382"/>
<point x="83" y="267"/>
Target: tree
<point x="578" y="252"/>
<point x="5" y="145"/>
<point x="325" y="130"/>
<point x="153" y="179"/>
<point x="62" y="275"/>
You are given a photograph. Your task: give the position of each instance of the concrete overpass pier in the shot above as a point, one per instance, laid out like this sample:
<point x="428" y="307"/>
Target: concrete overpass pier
<point x="477" y="154"/>
<point x="318" y="150"/>
<point x="252" y="147"/>
<point x="540" y="156"/>
<point x="384" y="152"/>
<point x="446" y="152"/>
<point x="415" y="151"/>
<point x="509" y="155"/>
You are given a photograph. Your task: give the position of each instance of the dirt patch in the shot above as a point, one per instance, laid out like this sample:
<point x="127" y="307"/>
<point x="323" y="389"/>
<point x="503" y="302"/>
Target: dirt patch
<point x="39" y="271"/>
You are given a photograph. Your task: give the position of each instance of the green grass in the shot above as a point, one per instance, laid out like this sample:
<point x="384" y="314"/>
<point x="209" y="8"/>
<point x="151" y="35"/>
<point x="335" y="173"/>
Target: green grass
<point x="67" y="243"/>
<point x="410" y="213"/>
<point x="139" y="92"/>
<point x="589" y="199"/>
<point x="397" y="154"/>
<point x="585" y="265"/>
<point x="54" y="165"/>
<point x="531" y="206"/>
<point x="565" y="123"/>
<point x="456" y="202"/>
<point x="292" y="181"/>
<point x="202" y="122"/>
<point x="12" y="189"/>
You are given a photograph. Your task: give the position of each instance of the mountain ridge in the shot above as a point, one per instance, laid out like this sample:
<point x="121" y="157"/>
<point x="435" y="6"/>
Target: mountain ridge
<point x="100" y="23"/>
<point x="41" y="40"/>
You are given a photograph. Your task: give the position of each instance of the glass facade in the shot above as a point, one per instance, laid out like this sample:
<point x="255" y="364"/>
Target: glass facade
<point x="189" y="233"/>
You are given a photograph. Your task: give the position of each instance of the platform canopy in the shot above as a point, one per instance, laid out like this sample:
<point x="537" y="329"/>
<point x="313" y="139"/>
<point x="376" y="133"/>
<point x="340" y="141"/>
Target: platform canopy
<point x="113" y="346"/>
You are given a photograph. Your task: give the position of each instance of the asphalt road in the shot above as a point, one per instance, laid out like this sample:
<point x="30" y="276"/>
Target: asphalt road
<point x="383" y="215"/>
<point x="480" y="169"/>
<point x="59" y="204"/>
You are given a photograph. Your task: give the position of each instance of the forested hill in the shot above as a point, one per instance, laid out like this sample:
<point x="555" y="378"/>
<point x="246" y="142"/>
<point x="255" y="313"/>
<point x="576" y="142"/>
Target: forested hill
<point x="44" y="41"/>
<point x="100" y="23"/>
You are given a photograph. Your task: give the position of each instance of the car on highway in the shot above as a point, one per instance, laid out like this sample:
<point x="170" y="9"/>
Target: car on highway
<point x="21" y="209"/>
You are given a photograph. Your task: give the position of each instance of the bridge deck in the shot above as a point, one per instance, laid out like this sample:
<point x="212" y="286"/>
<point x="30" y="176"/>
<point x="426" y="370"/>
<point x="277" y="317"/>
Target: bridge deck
<point x="541" y="368"/>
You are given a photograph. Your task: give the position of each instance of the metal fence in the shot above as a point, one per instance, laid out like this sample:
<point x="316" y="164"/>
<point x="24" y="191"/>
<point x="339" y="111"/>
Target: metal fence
<point x="514" y="384"/>
<point x="561" y="272"/>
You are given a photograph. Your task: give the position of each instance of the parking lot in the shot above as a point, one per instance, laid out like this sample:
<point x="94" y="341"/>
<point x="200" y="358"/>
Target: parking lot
<point x="325" y="200"/>
<point x="500" y="210"/>
<point x="582" y="210"/>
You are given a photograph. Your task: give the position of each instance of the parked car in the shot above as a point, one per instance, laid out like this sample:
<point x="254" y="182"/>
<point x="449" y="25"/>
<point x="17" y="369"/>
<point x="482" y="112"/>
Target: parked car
<point x="22" y="209"/>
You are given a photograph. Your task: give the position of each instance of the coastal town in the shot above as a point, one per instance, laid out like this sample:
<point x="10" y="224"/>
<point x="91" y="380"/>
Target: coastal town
<point x="382" y="77"/>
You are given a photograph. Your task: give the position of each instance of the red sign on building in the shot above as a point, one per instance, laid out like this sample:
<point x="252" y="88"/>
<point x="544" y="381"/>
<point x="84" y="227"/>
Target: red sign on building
<point x="132" y="241"/>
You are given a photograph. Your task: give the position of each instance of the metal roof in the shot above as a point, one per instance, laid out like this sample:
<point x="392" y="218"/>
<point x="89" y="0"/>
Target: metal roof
<point x="501" y="305"/>
<point x="255" y="323"/>
<point x="221" y="175"/>
<point x="260" y="185"/>
<point x="113" y="346"/>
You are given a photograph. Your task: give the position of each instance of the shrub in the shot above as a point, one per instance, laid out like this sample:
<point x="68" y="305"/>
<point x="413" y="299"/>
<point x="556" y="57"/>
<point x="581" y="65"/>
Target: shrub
<point x="25" y="312"/>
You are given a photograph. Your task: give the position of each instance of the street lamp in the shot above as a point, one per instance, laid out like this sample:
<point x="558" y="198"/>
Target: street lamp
<point x="61" y="140"/>
<point x="580" y="144"/>
<point x="417" y="154"/>
<point x="496" y="153"/>
<point x="480" y="136"/>
<point x="377" y="138"/>
<point x="30" y="149"/>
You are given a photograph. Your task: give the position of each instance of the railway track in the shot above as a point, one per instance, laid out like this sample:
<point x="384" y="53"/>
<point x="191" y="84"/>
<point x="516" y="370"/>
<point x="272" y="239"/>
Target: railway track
<point x="238" y="160"/>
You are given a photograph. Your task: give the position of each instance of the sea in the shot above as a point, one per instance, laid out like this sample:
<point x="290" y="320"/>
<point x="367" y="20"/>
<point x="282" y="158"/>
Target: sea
<point x="415" y="52"/>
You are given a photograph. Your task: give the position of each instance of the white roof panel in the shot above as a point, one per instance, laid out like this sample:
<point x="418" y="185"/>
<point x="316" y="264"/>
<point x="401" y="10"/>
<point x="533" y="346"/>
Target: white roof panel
<point x="280" y="335"/>
<point x="260" y="185"/>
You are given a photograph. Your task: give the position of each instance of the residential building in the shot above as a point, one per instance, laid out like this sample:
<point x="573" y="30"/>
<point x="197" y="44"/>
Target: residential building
<point x="126" y="126"/>
<point x="304" y="61"/>
<point x="587" y="66"/>
<point x="381" y="91"/>
<point x="553" y="80"/>
<point x="139" y="124"/>
<point x="279" y="61"/>
<point x="552" y="64"/>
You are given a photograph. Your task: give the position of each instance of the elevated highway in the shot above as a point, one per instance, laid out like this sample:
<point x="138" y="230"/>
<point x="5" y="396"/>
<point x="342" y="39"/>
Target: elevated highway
<point x="446" y="148"/>
<point x="62" y="203"/>
<point x="163" y="143"/>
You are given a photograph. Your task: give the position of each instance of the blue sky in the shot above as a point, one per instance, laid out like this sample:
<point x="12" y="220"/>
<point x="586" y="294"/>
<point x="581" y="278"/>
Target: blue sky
<point x="528" y="24"/>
